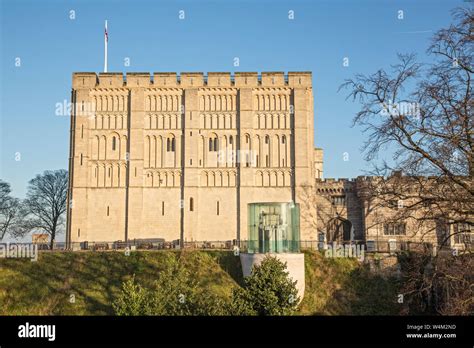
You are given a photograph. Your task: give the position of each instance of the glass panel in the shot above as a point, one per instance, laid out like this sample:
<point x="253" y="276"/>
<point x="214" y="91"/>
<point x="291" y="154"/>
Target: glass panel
<point x="273" y="228"/>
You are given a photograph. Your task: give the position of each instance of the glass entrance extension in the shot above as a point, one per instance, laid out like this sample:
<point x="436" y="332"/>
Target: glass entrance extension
<point x="273" y="228"/>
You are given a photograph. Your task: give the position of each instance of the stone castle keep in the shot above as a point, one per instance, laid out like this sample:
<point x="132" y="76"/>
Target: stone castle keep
<point x="181" y="157"/>
<point x="191" y="157"/>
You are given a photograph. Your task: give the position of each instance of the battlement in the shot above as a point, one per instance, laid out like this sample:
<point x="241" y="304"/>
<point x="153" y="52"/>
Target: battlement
<point x="191" y="79"/>
<point x="335" y="186"/>
<point x="332" y="181"/>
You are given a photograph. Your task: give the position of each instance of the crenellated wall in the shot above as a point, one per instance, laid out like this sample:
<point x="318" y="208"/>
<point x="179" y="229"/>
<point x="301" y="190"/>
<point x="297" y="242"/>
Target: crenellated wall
<point x="167" y="155"/>
<point x="195" y="79"/>
<point x="338" y="201"/>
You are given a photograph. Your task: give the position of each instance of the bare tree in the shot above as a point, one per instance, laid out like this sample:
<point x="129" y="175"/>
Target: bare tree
<point x="45" y="204"/>
<point x="430" y="126"/>
<point x="10" y="211"/>
<point x="424" y="113"/>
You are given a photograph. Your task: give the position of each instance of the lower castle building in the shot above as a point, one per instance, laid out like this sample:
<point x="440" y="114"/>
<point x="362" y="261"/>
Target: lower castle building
<point x="191" y="157"/>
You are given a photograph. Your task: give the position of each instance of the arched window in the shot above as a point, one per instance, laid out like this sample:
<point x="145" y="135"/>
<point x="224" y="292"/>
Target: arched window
<point x="231" y="140"/>
<point x="191" y="204"/>
<point x="171" y="144"/>
<point x="283" y="139"/>
<point x="213" y="143"/>
<point x="267" y="139"/>
<point x="114" y="143"/>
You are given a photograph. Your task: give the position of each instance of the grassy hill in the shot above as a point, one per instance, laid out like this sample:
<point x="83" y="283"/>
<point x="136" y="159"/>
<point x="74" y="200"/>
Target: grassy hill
<point x="86" y="283"/>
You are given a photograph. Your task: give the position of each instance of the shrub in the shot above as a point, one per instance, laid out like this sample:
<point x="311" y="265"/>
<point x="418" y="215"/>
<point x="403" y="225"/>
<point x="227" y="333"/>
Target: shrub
<point x="267" y="291"/>
<point x="175" y="292"/>
<point x="133" y="299"/>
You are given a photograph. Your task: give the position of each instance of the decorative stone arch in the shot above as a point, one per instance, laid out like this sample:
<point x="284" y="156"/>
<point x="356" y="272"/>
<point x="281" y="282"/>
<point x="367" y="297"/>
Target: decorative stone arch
<point x="266" y="178"/>
<point x="201" y="103"/>
<point x="95" y="148"/>
<point x="258" y="151"/>
<point x="268" y="121"/>
<point x="96" y="176"/>
<point x="114" y="149"/>
<point x="202" y="121"/>
<point x="276" y="123"/>
<point x="273" y="179"/>
<point x="177" y="180"/>
<point x="339" y="230"/>
<point x="208" y="103"/>
<point x="219" y="179"/>
<point x="281" y="178"/>
<point x="267" y="102"/>
<point x="204" y="179"/>
<point x="287" y="179"/>
<point x="103" y="147"/>
<point x="123" y="170"/>
<point x="259" y="179"/>
<point x="212" y="178"/>
<point x="147" y="157"/>
<point x="123" y="148"/>
<point x="101" y="175"/>
<point x="148" y="179"/>
<point x="232" y="178"/>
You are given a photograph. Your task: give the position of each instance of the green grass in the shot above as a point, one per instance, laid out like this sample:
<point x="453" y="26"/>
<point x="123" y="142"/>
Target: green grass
<point x="342" y="286"/>
<point x="45" y="287"/>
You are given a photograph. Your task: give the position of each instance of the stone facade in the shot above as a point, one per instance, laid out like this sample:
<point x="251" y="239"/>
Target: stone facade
<point x="180" y="157"/>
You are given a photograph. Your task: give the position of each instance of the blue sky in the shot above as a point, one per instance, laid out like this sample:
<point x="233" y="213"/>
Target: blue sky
<point x="150" y="33"/>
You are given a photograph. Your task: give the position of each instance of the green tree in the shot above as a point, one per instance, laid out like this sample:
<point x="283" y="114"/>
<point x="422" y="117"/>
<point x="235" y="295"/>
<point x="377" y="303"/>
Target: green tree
<point x="176" y="292"/>
<point x="267" y="291"/>
<point x="133" y="299"/>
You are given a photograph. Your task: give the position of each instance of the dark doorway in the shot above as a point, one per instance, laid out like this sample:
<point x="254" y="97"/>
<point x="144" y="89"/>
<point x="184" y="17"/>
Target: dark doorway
<point x="339" y="230"/>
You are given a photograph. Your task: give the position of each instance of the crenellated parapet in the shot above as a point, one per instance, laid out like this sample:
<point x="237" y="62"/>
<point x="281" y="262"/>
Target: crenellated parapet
<point x="191" y="79"/>
<point x="331" y="186"/>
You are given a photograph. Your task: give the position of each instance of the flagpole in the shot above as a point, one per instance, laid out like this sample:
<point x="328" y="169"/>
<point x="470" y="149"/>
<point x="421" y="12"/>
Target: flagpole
<point x="105" y="47"/>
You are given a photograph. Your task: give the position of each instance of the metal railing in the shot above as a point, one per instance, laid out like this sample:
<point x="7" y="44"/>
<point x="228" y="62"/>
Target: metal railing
<point x="243" y="245"/>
